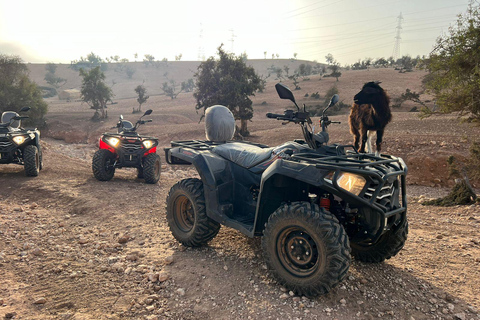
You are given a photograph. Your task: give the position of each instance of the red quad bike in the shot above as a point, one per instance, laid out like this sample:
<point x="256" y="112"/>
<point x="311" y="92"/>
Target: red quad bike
<point x="127" y="149"/>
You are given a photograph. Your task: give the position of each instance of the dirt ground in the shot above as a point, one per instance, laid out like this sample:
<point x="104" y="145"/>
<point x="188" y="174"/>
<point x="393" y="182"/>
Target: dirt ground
<point x="72" y="247"/>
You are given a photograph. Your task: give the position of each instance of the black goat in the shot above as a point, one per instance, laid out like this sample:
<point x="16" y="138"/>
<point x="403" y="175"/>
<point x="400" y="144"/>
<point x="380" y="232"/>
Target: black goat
<point x="369" y="113"/>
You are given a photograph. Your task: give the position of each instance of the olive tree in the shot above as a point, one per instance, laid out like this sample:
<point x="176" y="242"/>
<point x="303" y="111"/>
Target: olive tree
<point x="95" y="92"/>
<point x="18" y="91"/>
<point x="142" y="97"/>
<point x="454" y="66"/>
<point x="227" y="81"/>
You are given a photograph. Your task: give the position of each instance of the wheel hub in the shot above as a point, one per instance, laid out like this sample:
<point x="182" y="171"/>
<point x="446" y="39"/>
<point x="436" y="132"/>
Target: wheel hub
<point x="184" y="214"/>
<point x="297" y="251"/>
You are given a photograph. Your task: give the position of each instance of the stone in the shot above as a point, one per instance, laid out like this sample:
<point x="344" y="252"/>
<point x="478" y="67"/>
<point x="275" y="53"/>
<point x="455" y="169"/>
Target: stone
<point x="124" y="239"/>
<point x="181" y="291"/>
<point x="40" y="300"/>
<point x="152" y="277"/>
<point x="284" y="296"/>
<point x="163" y="276"/>
<point x="37" y="252"/>
<point x="150" y="308"/>
<point x="168" y="260"/>
<point x="132" y="257"/>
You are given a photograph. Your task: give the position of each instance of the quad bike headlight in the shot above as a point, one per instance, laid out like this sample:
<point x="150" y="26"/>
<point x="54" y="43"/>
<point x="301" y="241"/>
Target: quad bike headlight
<point x="19" y="139"/>
<point x="351" y="182"/>
<point x="148" y="143"/>
<point x="113" y="141"/>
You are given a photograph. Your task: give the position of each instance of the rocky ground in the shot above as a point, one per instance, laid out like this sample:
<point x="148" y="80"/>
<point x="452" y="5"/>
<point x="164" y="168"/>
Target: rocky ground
<point x="72" y="247"/>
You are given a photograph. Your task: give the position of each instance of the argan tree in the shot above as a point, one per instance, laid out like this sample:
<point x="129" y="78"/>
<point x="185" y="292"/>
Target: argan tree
<point x="51" y="78"/>
<point x="188" y="85"/>
<point x="95" y="92"/>
<point x="227" y="81"/>
<point x="142" y="97"/>
<point x="18" y="91"/>
<point x="170" y="87"/>
<point x="91" y="61"/>
<point x="454" y="66"/>
<point x="334" y="66"/>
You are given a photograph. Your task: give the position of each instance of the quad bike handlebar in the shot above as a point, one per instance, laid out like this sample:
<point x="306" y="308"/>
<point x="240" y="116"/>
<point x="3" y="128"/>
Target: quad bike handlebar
<point x="291" y="116"/>
<point x="131" y="128"/>
<point x="314" y="140"/>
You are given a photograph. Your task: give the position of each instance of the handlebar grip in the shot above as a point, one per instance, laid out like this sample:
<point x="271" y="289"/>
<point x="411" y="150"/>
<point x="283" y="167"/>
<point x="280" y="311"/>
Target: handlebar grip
<point x="275" y="115"/>
<point x="336" y="122"/>
<point x="149" y="120"/>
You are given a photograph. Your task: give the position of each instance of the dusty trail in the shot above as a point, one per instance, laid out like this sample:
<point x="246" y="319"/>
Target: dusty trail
<point x="75" y="248"/>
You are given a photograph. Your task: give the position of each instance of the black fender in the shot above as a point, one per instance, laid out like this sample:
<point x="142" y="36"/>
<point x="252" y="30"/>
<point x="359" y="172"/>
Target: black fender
<point x="215" y="173"/>
<point x="281" y="182"/>
<point x="288" y="181"/>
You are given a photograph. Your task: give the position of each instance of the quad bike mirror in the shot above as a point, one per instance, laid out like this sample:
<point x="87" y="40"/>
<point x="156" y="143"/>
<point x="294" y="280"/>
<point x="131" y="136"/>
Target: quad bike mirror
<point x="24" y="109"/>
<point x="284" y="92"/>
<point x="334" y="99"/>
<point x="149" y="111"/>
<point x="332" y="102"/>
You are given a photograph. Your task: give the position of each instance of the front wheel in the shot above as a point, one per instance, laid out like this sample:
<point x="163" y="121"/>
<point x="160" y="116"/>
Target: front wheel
<point x="103" y="165"/>
<point x="31" y="160"/>
<point x="187" y="216"/>
<point x="306" y="248"/>
<point x="152" y="168"/>
<point x="389" y="244"/>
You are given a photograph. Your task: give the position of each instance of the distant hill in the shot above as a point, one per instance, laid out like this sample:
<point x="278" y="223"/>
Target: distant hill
<point x="152" y="76"/>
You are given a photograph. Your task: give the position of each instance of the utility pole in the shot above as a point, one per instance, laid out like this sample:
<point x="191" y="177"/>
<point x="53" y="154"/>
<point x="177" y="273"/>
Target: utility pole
<point x="201" y="51"/>
<point x="398" y="38"/>
<point x="232" y="39"/>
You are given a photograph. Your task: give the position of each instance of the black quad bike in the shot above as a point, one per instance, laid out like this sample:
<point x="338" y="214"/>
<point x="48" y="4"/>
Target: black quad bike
<point x="18" y="145"/>
<point x="127" y="148"/>
<point x="314" y="204"/>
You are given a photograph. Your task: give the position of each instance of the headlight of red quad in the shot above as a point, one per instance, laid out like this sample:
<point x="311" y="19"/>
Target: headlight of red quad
<point x="148" y="143"/>
<point x="112" y="141"/>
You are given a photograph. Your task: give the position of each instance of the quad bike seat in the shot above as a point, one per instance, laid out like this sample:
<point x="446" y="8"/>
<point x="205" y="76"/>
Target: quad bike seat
<point x="243" y="154"/>
<point x="9" y="115"/>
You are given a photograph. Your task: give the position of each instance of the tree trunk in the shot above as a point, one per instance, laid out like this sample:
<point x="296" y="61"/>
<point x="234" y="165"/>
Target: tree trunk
<point x="243" y="128"/>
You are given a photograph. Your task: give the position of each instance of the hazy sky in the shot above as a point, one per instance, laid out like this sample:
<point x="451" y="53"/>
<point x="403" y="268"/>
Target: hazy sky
<point x="61" y="31"/>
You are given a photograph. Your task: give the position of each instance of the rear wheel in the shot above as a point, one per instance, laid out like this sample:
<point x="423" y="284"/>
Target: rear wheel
<point x="186" y="214"/>
<point x="306" y="248"/>
<point x="103" y="165"/>
<point x="152" y="168"/>
<point x="31" y="160"/>
<point x="389" y="244"/>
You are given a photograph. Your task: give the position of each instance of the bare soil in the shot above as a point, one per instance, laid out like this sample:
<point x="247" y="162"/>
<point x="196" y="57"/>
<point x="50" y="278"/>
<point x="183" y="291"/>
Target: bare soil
<point x="72" y="247"/>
